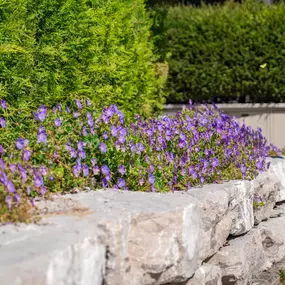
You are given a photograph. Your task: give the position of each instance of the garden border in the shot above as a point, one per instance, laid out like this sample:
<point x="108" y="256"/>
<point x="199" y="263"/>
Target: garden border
<point x="218" y="232"/>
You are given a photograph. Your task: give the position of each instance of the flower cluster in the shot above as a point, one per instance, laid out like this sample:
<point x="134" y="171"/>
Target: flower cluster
<point x="75" y="146"/>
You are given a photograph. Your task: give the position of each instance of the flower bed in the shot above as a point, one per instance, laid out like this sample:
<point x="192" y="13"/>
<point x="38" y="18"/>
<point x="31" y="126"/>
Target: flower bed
<point x="76" y="146"/>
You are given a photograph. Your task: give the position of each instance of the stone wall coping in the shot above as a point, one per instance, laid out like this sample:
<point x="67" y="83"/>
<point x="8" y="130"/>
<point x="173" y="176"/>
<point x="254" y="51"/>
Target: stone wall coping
<point x="116" y="237"/>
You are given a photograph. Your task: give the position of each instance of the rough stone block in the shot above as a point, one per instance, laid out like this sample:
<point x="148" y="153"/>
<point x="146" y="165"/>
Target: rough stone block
<point x="67" y="252"/>
<point x="207" y="274"/>
<point x="277" y="167"/>
<point x="266" y="187"/>
<point x="134" y="238"/>
<point x="248" y="255"/>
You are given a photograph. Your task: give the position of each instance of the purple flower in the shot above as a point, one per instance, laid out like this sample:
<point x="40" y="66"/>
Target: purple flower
<point x="207" y="152"/>
<point x="215" y="162"/>
<point x="192" y="172"/>
<point x="90" y="120"/>
<point x="67" y="109"/>
<point x="73" y="153"/>
<point x="105" y="169"/>
<point x="1" y="149"/>
<point x="78" y="104"/>
<point x="10" y="187"/>
<point x="114" y="131"/>
<point x="43" y="170"/>
<point x="13" y="167"/>
<point x="140" y="147"/>
<point x="38" y="180"/>
<point x="78" y="162"/>
<point x="85" y="169"/>
<point x="81" y="145"/>
<point x="121" y="182"/>
<point x="57" y="122"/>
<point x="121" y="139"/>
<point x="124" y="131"/>
<point x="182" y="136"/>
<point x="105" y="136"/>
<point x="103" y="147"/>
<point x="84" y="131"/>
<point x="8" y="201"/>
<point x="243" y="169"/>
<point x="96" y="170"/>
<point x="76" y="115"/>
<point x="23" y="174"/>
<point x="26" y="155"/>
<point x="76" y="170"/>
<point x="181" y="143"/>
<point x="55" y="155"/>
<point x="109" y="112"/>
<point x="203" y="121"/>
<point x="141" y="182"/>
<point x="151" y="179"/>
<point x="105" y="183"/>
<point x="120" y="116"/>
<point x="132" y="147"/>
<point x="259" y="165"/>
<point x="82" y="154"/>
<point x="88" y="102"/>
<point x="3" y="178"/>
<point x="42" y="113"/>
<point x="43" y="190"/>
<point x="93" y="161"/>
<point x="105" y="118"/>
<point x="3" y="104"/>
<point x="122" y="169"/>
<point x="42" y="136"/>
<point x="20" y="143"/>
<point x="2" y="122"/>
<point x="17" y="198"/>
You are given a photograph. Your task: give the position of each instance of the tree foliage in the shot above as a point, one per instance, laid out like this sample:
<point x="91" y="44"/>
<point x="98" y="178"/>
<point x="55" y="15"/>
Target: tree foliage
<point x="55" y="50"/>
<point x="229" y="52"/>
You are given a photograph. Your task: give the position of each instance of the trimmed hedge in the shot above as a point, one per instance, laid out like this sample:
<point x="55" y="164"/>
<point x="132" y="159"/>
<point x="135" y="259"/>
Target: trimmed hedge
<point x="224" y="53"/>
<point x="55" y="50"/>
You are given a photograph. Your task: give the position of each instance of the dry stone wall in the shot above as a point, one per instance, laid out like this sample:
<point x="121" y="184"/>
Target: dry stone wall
<point x="211" y="235"/>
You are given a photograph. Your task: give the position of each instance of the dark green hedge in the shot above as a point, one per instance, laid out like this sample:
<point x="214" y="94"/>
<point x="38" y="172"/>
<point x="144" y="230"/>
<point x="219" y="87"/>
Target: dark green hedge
<point x="229" y="52"/>
<point x="54" y="50"/>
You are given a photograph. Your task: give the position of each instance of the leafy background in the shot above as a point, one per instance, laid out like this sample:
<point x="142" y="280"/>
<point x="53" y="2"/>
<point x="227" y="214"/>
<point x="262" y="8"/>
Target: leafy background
<point x="56" y="50"/>
<point x="230" y="52"/>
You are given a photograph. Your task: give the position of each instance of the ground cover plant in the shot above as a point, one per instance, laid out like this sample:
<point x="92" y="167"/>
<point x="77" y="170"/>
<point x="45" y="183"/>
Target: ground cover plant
<point x="69" y="146"/>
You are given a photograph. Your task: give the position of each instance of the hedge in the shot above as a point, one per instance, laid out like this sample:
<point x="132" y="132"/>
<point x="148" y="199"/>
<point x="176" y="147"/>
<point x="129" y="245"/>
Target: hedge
<point x="55" y="50"/>
<point x="224" y="53"/>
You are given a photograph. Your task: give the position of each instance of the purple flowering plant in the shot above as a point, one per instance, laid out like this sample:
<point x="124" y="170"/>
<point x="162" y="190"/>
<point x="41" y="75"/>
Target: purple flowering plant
<point x="70" y="146"/>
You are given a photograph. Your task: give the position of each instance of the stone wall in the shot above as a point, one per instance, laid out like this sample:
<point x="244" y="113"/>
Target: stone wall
<point x="209" y="235"/>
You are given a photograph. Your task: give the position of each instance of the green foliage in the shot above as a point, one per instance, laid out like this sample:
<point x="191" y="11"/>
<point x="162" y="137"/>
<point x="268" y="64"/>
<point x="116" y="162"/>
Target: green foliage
<point x="257" y="205"/>
<point x="230" y="52"/>
<point x="78" y="146"/>
<point x="55" y="50"/>
<point x="282" y="276"/>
